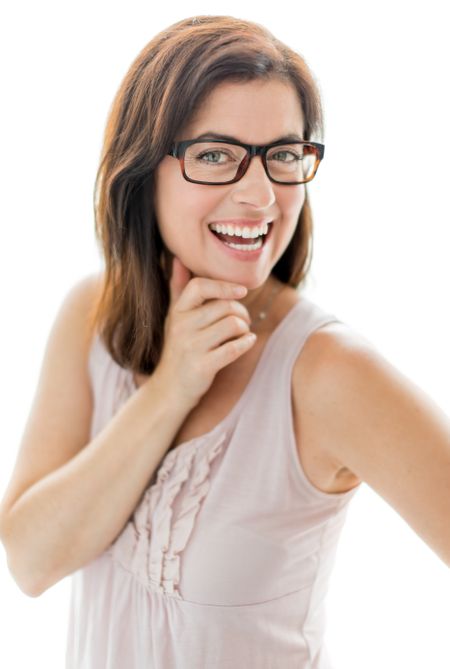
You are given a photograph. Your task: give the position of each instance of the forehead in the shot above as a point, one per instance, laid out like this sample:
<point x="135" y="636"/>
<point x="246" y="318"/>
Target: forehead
<point x="252" y="112"/>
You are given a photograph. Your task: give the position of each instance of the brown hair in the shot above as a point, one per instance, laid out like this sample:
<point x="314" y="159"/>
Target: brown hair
<point x="159" y="94"/>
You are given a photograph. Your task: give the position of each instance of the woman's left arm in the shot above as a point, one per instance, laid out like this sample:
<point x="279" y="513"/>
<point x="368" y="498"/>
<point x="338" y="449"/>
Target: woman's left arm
<point x="386" y="430"/>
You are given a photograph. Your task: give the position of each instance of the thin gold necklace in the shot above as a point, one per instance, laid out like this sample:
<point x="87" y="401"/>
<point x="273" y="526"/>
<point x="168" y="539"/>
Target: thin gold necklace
<point x="262" y="314"/>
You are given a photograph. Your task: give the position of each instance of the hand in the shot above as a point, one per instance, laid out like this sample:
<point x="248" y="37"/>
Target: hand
<point x="206" y="328"/>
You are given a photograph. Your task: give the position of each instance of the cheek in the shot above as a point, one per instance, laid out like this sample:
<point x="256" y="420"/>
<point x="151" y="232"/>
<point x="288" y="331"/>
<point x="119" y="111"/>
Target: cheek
<point x="167" y="184"/>
<point x="291" y="200"/>
<point x="195" y="201"/>
<point x="179" y="203"/>
<point x="173" y="193"/>
<point x="171" y="199"/>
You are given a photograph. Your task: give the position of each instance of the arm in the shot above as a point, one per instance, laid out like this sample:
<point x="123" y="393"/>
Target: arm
<point x="387" y="431"/>
<point x="70" y="497"/>
<point x="71" y="515"/>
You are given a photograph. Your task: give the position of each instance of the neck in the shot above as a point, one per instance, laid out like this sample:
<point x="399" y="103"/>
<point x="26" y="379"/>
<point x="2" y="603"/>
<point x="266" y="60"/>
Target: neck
<point x="259" y="302"/>
<point x="261" y="298"/>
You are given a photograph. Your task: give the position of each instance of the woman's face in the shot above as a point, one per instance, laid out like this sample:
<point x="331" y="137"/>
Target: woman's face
<point x="257" y="112"/>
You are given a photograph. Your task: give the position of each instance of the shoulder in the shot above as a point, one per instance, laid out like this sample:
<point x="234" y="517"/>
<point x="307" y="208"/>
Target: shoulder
<point x="349" y="393"/>
<point x="84" y="294"/>
<point x="333" y="366"/>
<point x="86" y="290"/>
<point x="89" y="286"/>
<point x="329" y="348"/>
<point x="74" y="317"/>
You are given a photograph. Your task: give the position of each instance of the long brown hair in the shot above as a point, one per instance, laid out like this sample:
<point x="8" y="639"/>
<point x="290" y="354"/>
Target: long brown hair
<point x="159" y="94"/>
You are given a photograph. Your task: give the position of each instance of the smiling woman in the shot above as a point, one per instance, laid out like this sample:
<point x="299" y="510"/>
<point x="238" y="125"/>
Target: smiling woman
<point x="260" y="112"/>
<point x="192" y="479"/>
<point x="243" y="111"/>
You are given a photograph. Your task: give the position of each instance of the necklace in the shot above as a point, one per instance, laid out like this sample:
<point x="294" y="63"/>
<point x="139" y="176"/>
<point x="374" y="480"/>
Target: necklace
<point x="262" y="314"/>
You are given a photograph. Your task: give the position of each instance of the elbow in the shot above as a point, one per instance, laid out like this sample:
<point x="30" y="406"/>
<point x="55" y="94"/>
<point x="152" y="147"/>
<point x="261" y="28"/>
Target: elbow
<point x="30" y="591"/>
<point x="22" y="574"/>
<point x="28" y="585"/>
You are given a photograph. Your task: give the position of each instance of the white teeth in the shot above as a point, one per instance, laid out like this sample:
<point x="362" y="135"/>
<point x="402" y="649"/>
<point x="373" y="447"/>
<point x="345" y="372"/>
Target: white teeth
<point x="246" y="247"/>
<point x="246" y="232"/>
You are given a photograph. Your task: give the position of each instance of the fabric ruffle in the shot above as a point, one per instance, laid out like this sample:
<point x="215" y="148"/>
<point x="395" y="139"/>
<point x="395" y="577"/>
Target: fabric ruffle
<point x="153" y="540"/>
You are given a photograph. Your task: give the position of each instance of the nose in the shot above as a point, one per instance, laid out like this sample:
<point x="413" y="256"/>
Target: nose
<point x="255" y="186"/>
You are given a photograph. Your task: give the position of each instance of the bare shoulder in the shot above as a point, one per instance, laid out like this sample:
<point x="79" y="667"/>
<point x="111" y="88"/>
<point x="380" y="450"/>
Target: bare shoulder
<point x="318" y="364"/>
<point x="87" y="290"/>
<point x="329" y="346"/>
<point x="334" y="337"/>
<point x="91" y="284"/>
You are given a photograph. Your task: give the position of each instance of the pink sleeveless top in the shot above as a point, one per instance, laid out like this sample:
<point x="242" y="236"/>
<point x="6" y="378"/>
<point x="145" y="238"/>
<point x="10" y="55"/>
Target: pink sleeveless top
<point x="226" y="559"/>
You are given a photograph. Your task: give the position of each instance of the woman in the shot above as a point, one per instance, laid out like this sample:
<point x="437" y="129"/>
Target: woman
<point x="196" y="480"/>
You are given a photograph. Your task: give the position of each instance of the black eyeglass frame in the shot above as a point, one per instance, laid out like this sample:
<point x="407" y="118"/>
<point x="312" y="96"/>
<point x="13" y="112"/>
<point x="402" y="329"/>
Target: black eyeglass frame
<point x="179" y="148"/>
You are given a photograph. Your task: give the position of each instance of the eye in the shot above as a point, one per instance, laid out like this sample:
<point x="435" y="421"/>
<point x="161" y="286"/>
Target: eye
<point x="285" y="156"/>
<point x="201" y="156"/>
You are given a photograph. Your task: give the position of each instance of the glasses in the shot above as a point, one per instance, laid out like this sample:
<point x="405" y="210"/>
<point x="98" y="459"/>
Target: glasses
<point x="219" y="161"/>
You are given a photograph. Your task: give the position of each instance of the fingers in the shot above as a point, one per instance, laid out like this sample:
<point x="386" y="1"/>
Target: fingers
<point x="199" y="289"/>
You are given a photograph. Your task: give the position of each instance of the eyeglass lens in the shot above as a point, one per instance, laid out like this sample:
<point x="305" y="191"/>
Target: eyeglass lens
<point x="217" y="162"/>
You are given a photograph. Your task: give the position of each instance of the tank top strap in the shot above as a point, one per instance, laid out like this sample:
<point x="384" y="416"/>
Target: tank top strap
<point x="286" y="342"/>
<point x="307" y="317"/>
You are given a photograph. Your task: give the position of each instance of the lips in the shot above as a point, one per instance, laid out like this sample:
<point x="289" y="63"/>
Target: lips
<point x="238" y="240"/>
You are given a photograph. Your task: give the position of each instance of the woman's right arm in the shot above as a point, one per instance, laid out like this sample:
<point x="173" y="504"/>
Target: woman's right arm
<point x="68" y="499"/>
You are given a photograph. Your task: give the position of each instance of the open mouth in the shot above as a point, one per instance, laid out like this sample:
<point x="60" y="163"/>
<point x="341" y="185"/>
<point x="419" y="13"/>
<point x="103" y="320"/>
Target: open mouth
<point x="246" y="244"/>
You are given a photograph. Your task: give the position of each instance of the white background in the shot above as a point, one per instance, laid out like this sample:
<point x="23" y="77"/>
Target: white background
<point x="381" y="211"/>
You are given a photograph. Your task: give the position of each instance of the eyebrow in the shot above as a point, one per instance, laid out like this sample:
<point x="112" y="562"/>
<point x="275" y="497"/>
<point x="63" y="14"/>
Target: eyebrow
<point x="293" y="137"/>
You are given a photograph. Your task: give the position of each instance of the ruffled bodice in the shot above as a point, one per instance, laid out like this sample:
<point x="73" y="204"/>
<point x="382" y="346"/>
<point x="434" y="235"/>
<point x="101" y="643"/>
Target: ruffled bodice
<point x="225" y="561"/>
<point x="153" y="540"/>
